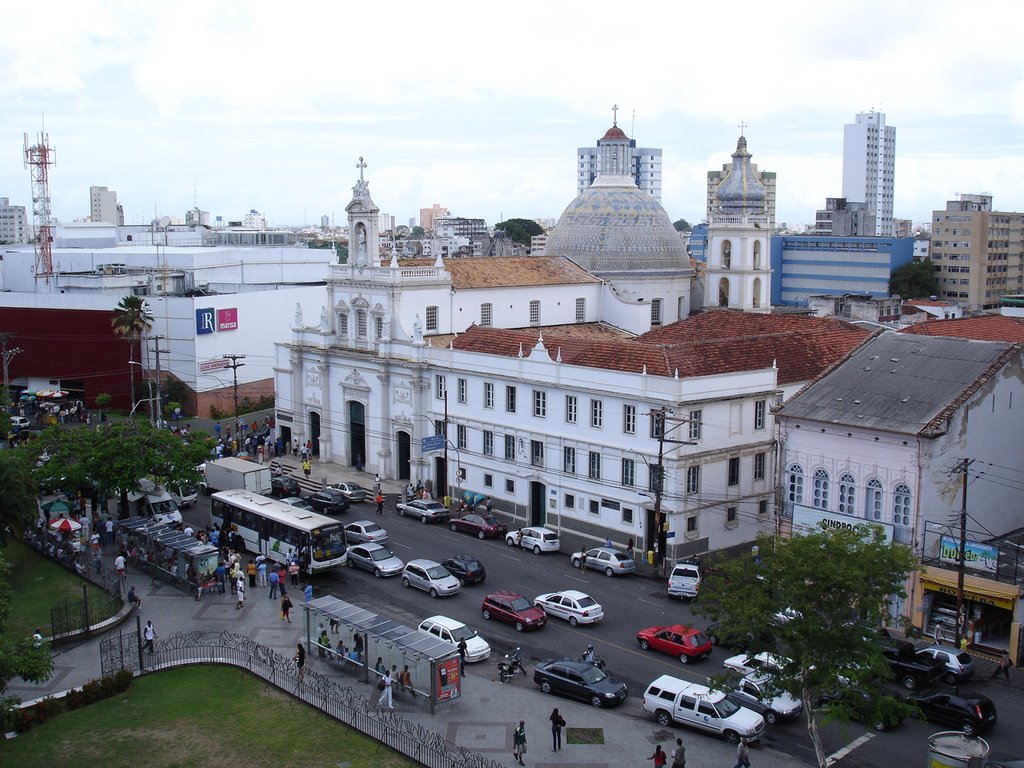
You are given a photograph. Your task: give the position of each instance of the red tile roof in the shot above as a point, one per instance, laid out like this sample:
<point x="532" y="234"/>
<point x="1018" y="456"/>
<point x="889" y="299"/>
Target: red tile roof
<point x="703" y="345"/>
<point x="980" y="328"/>
<point x="504" y="271"/>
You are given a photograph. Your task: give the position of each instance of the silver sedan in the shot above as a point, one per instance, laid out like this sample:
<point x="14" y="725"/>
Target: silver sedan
<point x="375" y="558"/>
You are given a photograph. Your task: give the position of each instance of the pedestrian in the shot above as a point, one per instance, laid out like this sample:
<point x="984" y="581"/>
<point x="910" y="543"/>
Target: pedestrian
<point x="557" y="723"/>
<point x="273" y="583"/>
<point x="380" y="503"/>
<point x="261" y="574"/>
<point x="300" y="661"/>
<point x="149" y="633"/>
<point x="937" y="633"/>
<point x="308" y="592"/>
<point x="462" y="655"/>
<point x="286" y="607"/>
<point x="519" y="742"/>
<point x="1003" y="666"/>
<point x="109" y="526"/>
<point x="679" y="755"/>
<point x="293" y="572"/>
<point x="379" y="667"/>
<point x="119" y="566"/>
<point x="658" y="757"/>
<point x="282" y="579"/>
<point x="334" y="624"/>
<point x="629" y="550"/>
<point x="306" y="467"/>
<point x="385" y="691"/>
<point x="583" y="561"/>
<point x="250" y="569"/>
<point x="608" y="542"/>
<point x="742" y="754"/>
<point x="37" y="639"/>
<point x="405" y="680"/>
<point x="133" y="598"/>
<point x="240" y="593"/>
<point x="295" y="446"/>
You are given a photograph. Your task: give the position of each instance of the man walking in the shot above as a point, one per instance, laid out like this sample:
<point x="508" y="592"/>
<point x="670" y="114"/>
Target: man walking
<point x="119" y="566"/>
<point x="273" y="578"/>
<point x="385" y="691"/>
<point x="149" y="634"/>
<point x="380" y="503"/>
<point x="1003" y="666"/>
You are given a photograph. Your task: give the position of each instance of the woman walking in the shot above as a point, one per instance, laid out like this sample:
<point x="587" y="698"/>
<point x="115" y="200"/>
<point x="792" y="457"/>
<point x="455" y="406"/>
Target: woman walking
<point x="286" y="607"/>
<point x="519" y="742"/>
<point x="557" y="722"/>
<point x="300" y="661"/>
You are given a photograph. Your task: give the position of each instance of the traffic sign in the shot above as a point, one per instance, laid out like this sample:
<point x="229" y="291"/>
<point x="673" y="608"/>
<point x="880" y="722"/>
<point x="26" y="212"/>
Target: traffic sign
<point x="432" y="443"/>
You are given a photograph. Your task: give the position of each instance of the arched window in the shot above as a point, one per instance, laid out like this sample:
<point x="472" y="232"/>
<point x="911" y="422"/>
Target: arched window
<point x="723" y="292"/>
<point x="847" y="495"/>
<point x="757" y="291"/>
<point x="757" y="254"/>
<point x="821" y="488"/>
<point x="796" y="484"/>
<point x="901" y="505"/>
<point x="726" y="254"/>
<point x="873" y="500"/>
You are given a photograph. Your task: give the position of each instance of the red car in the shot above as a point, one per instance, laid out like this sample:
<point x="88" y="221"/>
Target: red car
<point x="687" y="643"/>
<point x="484" y="526"/>
<point x="513" y="609"/>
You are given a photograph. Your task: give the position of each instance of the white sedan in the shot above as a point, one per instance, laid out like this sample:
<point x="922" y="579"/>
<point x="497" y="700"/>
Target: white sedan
<point x="570" y="604"/>
<point x="755" y="663"/>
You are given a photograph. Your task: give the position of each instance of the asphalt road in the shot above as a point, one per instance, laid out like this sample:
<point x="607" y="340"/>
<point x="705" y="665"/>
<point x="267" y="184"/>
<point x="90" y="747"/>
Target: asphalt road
<point x="629" y="604"/>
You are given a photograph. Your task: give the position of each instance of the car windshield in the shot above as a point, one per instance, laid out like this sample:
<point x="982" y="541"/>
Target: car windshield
<point x="586" y="602"/>
<point x="964" y="658"/>
<point x="372" y="528"/>
<point x="489" y="520"/>
<point x="592" y="674"/>
<point x="433" y="506"/>
<point x="619" y="556"/>
<point x="438" y="572"/>
<point x="463" y="633"/>
<point x="520" y="604"/>
<point x="550" y="537"/>
<point x="380" y="554"/>
<point x="698" y="639"/>
<point x="726" y="708"/>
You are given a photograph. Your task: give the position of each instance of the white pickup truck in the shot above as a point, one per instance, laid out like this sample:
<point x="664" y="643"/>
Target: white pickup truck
<point x="670" y="700"/>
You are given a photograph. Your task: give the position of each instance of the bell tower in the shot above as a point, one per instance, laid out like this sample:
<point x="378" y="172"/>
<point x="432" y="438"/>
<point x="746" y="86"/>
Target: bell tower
<point x="363" y="221"/>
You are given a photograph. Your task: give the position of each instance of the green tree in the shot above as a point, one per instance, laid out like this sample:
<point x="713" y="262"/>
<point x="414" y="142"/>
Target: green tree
<point x="816" y="602"/>
<point x="682" y="225"/>
<point x="915" y="280"/>
<point x="103" y="400"/>
<point x="18" y="658"/>
<point x="520" y="230"/>
<point x="17" y="495"/>
<point x="132" y="320"/>
<point x="417" y="231"/>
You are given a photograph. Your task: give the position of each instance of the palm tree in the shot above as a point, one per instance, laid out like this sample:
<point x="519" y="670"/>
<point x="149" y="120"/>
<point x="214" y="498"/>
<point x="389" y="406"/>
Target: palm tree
<point x="132" y="320"/>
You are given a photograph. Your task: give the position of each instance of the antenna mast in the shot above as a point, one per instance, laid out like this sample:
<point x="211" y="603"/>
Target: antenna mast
<point x="38" y="159"/>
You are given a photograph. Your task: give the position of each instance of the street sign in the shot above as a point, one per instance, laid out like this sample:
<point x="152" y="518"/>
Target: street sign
<point x="432" y="443"/>
<point x="670" y="535"/>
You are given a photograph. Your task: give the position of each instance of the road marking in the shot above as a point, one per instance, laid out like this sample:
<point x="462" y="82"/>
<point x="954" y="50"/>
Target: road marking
<point x="838" y="755"/>
<point x="397" y="544"/>
<point x="648" y="602"/>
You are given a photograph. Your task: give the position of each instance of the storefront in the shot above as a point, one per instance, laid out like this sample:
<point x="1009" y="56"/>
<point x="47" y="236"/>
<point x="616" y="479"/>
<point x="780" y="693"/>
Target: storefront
<point x="991" y="609"/>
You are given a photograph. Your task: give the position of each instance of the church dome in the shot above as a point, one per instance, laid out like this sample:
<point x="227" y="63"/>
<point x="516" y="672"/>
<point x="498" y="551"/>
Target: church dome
<point x="614" y="227"/>
<point x="740" y="192"/>
<point x="615" y="133"/>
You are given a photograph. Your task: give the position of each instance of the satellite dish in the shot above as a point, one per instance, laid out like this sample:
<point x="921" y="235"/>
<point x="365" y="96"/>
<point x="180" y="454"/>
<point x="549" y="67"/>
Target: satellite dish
<point x="164" y="222"/>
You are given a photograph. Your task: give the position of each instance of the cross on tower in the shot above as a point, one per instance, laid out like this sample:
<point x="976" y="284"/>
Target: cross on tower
<point x="741" y="126"/>
<point x="360" y="165"/>
<point x="615" y="114"/>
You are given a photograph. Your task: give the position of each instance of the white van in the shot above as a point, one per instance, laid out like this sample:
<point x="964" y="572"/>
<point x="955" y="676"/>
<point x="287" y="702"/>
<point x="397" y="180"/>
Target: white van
<point x="684" y="580"/>
<point x="670" y="700"/>
<point x="153" y="501"/>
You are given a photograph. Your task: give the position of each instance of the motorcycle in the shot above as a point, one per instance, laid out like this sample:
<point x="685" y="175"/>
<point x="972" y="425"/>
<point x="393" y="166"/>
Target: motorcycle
<point x="511" y="666"/>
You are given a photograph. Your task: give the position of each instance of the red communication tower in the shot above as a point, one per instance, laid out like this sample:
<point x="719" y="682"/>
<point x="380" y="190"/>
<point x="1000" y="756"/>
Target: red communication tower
<point x="38" y="159"/>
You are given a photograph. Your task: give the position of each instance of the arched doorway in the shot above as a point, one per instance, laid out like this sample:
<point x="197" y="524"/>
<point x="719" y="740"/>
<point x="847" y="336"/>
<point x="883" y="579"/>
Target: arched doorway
<point x="314" y="431"/>
<point x="404" y="455"/>
<point x="356" y="434"/>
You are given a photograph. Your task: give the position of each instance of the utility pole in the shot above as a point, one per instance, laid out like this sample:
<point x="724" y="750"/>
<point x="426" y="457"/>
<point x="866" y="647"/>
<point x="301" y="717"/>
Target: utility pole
<point x="158" y="403"/>
<point x="8" y="355"/>
<point x="961" y="610"/>
<point x="658" y="541"/>
<point x="234" y="366"/>
<point x="446" y="438"/>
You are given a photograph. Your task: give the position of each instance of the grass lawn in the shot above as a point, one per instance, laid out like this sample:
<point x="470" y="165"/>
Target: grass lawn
<point x="197" y="716"/>
<point x="37" y="586"/>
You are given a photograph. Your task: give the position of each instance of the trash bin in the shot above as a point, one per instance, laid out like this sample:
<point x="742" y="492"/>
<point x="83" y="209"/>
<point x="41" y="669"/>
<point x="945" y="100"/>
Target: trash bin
<point x="650" y="557"/>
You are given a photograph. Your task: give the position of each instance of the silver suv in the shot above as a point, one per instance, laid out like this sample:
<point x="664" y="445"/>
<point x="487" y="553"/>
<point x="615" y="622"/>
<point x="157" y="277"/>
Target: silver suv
<point x="431" y="577"/>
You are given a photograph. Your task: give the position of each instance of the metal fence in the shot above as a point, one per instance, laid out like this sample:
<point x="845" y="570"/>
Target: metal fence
<point x="427" y="747"/>
<point x="81" y="615"/>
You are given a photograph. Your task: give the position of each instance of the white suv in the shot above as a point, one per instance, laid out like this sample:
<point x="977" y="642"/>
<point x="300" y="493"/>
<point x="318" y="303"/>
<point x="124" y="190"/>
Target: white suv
<point x="670" y="700"/>
<point x="535" y="538"/>
<point x="431" y="577"/>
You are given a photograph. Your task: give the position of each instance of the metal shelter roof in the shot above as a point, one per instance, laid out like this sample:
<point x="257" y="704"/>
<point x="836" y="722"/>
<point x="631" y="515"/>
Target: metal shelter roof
<point x="410" y="641"/>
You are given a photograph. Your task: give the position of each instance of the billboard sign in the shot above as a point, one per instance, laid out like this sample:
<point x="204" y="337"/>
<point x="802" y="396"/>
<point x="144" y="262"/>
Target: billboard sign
<point x="980" y="557"/>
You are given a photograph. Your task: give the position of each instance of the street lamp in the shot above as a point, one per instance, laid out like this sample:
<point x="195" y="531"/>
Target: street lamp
<point x="140" y="402"/>
<point x="150" y="399"/>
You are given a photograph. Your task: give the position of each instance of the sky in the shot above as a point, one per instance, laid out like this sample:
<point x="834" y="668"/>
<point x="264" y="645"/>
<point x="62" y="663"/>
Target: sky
<point x="480" y="107"/>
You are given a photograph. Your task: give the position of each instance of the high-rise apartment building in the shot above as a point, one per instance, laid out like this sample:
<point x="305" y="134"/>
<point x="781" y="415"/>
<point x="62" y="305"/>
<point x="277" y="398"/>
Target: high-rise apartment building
<point x="427" y="216"/>
<point x="978" y="252"/>
<point x="767" y="179"/>
<point x="843" y="218"/>
<point x="103" y="206"/>
<point x="869" y="162"/>
<point x="646" y="167"/>
<point x="14" y="227"/>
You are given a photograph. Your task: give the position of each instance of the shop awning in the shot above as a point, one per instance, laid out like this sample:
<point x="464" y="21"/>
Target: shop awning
<point x="975" y="587"/>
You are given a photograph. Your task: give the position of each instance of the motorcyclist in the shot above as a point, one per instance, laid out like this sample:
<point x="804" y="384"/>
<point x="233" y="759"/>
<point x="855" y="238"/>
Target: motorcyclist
<point x="588" y="655"/>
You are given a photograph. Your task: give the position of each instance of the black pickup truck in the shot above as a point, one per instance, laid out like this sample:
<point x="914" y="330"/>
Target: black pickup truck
<point x="911" y="669"/>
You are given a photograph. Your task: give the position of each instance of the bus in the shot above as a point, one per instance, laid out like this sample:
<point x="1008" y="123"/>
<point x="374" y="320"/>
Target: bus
<point x="278" y="530"/>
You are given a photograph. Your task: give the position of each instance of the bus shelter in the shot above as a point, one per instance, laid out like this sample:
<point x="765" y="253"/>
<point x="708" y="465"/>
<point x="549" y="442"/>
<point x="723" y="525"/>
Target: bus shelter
<point x="360" y="638"/>
<point x="168" y="553"/>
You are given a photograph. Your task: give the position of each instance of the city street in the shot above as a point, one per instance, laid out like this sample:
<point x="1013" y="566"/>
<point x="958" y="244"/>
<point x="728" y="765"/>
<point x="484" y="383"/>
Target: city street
<point x="630" y="604"/>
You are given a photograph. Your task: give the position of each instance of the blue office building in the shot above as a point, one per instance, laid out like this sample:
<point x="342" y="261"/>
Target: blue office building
<point x="810" y="265"/>
<point x="696" y="246"/>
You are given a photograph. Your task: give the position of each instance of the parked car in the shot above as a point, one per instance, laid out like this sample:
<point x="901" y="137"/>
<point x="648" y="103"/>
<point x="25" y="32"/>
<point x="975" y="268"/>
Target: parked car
<point x="959" y="664"/>
<point x="880" y="712"/>
<point x="910" y="668"/>
<point x="535" y="538"/>
<point x="452" y="630"/>
<point x="685" y="643"/>
<point x="607" y="560"/>
<point x="576" y="679"/>
<point x="572" y="605"/>
<point x="295" y="501"/>
<point x="428" y="511"/>
<point x="353" y="491"/>
<point x="19" y="423"/>
<point x="365" y="530"/>
<point x="283" y="487"/>
<point x="757" y="693"/>
<point x="514" y="609"/>
<point x="483" y="526"/>
<point x="431" y="577"/>
<point x="746" y="663"/>
<point x="184" y="495"/>
<point x="684" y="581"/>
<point x="328" y="501"/>
<point x="671" y="700"/>
<point x="375" y="558"/>
<point x="465" y="568"/>
<point x="971" y="712"/>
